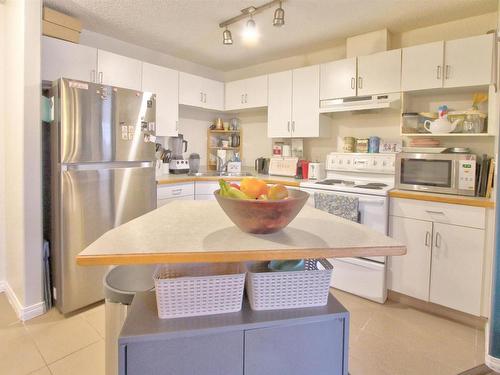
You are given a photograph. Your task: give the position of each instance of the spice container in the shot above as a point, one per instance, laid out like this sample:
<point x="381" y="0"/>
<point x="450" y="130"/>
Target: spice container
<point x="362" y="145"/>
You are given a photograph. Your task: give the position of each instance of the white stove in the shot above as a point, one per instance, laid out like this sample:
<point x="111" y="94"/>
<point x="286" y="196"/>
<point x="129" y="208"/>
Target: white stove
<point x="368" y="177"/>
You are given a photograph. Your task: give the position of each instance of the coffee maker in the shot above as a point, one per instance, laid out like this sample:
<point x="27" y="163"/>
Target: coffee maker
<point x="178" y="164"/>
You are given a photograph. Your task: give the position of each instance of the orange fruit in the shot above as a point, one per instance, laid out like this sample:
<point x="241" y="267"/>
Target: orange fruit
<point x="253" y="187"/>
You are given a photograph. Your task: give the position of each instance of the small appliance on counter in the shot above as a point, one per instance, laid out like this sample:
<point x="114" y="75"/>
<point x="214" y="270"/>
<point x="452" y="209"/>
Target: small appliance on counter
<point x="262" y="165"/>
<point x="178" y="165"/>
<point x="284" y="166"/>
<point x="316" y="171"/>
<point x="447" y="173"/>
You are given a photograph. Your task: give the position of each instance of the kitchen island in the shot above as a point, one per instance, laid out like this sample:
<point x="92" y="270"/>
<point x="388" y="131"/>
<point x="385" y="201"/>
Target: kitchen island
<point x="291" y="342"/>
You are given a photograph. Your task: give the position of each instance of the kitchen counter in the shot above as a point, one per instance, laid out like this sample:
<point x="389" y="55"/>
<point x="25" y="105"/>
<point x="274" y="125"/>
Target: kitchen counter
<point x="443" y="198"/>
<point x="179" y="178"/>
<point x="199" y="231"/>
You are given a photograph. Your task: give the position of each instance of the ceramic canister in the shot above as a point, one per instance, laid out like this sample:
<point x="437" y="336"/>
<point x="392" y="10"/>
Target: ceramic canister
<point x="373" y="144"/>
<point x="349" y="143"/>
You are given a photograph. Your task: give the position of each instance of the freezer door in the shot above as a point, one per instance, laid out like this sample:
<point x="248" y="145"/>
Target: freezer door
<point x="94" y="201"/>
<point x="99" y="123"/>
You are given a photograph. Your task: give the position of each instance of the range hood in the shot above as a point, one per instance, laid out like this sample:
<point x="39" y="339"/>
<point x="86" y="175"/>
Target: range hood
<point x="360" y="103"/>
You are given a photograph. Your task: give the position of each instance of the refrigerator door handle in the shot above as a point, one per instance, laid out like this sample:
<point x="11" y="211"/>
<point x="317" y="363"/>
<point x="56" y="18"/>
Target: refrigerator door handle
<point x="104" y="165"/>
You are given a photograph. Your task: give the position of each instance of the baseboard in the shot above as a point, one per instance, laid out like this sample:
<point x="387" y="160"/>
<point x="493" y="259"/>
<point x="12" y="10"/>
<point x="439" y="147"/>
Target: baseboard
<point x="23" y="312"/>
<point x="442" y="311"/>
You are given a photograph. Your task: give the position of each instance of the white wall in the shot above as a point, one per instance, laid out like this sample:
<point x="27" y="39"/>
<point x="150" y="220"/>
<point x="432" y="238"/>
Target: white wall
<point x="22" y="163"/>
<point x="2" y="146"/>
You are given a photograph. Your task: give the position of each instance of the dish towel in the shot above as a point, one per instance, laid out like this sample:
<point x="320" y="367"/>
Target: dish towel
<point x="338" y="205"/>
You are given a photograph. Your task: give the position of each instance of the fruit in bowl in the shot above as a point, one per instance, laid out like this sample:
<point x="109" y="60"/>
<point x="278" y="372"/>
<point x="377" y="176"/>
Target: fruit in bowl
<point x="258" y="208"/>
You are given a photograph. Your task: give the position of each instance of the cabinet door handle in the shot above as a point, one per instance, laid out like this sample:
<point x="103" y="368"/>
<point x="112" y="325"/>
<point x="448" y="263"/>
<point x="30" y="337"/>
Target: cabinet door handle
<point x="427" y="238"/>
<point x="176" y="191"/>
<point x="201" y="97"/>
<point x="288" y="126"/>
<point x="205" y="97"/>
<point x="438" y="240"/>
<point x="353" y="83"/>
<point x="293" y="126"/>
<point x="242" y="96"/>
<point x="434" y="212"/>
<point x="360" y="82"/>
<point x="438" y="72"/>
<point x="100" y="77"/>
<point x="447" y="72"/>
<point x="92" y="75"/>
<point x="177" y="126"/>
<point x="246" y="98"/>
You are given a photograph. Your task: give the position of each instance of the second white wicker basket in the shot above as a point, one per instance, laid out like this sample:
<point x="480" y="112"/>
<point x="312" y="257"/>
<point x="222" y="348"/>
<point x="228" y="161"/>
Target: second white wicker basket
<point x="268" y="290"/>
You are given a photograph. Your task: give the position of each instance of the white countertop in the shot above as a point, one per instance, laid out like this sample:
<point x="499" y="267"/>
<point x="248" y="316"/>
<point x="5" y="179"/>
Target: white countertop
<point x="199" y="231"/>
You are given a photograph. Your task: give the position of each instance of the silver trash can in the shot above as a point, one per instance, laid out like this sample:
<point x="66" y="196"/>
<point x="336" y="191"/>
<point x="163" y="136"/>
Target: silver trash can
<point x="120" y="285"/>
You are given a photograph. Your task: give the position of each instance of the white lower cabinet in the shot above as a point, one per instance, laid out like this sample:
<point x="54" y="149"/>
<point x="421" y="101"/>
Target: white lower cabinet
<point x="410" y="274"/>
<point x="444" y="261"/>
<point x="170" y="192"/>
<point x="457" y="267"/>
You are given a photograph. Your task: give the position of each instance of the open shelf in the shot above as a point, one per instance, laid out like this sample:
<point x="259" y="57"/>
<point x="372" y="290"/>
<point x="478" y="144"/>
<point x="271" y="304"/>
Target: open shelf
<point x="447" y="135"/>
<point x="224" y="131"/>
<point x="224" y="148"/>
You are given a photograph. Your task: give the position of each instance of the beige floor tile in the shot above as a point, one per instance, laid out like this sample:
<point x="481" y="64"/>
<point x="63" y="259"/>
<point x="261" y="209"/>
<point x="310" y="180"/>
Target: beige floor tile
<point x="42" y="371"/>
<point x="88" y="361"/>
<point x="18" y="353"/>
<point x="95" y="317"/>
<point x="56" y="339"/>
<point x="7" y="314"/>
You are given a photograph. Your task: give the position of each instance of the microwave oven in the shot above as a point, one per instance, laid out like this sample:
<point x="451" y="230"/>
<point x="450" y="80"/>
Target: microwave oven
<point x="437" y="173"/>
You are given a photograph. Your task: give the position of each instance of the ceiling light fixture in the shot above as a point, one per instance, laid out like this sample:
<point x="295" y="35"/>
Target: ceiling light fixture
<point x="250" y="32"/>
<point x="227" y="38"/>
<point x="279" y="17"/>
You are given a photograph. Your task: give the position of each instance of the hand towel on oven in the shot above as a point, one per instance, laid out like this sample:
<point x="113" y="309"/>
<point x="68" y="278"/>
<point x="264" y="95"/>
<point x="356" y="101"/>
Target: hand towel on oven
<point x="338" y="205"/>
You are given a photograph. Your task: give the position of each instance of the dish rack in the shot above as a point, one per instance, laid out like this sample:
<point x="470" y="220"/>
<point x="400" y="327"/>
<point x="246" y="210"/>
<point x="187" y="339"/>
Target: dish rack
<point x="184" y="290"/>
<point x="269" y="290"/>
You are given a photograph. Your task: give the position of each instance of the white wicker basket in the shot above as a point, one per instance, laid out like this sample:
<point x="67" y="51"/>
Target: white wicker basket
<point x="198" y="289"/>
<point x="268" y="290"/>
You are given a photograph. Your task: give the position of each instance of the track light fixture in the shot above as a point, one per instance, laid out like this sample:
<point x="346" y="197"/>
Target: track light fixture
<point x="250" y="31"/>
<point x="227" y="38"/>
<point x="279" y="17"/>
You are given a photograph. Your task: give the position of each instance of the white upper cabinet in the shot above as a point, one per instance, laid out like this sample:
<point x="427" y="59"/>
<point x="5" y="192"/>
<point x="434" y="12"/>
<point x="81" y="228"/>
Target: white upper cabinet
<point x="200" y="92"/>
<point x="213" y="94"/>
<point x="379" y="73"/>
<point x="422" y="67"/>
<point x="457" y="267"/>
<point x="305" y="102"/>
<point x="293" y="109"/>
<point x="468" y="62"/>
<point x="164" y="83"/>
<point x="338" y="79"/>
<point x="235" y="94"/>
<point x="62" y="59"/>
<point x="120" y="71"/>
<point x="246" y="93"/>
<point x="279" y="112"/>
<point x="190" y="90"/>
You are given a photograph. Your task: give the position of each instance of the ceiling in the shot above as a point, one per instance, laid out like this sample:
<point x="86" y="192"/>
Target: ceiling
<point x="189" y="29"/>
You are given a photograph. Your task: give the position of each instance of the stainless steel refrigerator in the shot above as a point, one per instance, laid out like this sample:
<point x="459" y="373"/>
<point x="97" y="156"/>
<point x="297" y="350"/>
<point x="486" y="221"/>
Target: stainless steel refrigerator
<point x="102" y="175"/>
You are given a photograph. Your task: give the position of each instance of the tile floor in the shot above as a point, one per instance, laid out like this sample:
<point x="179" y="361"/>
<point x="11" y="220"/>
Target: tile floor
<point x="389" y="339"/>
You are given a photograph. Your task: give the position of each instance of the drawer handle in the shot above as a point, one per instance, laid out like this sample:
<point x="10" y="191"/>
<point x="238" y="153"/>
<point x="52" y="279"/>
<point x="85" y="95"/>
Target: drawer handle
<point x="434" y="212"/>
<point x="176" y="191"/>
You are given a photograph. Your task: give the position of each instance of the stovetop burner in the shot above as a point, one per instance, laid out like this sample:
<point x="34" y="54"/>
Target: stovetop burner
<point x="336" y="182"/>
<point x="368" y="186"/>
